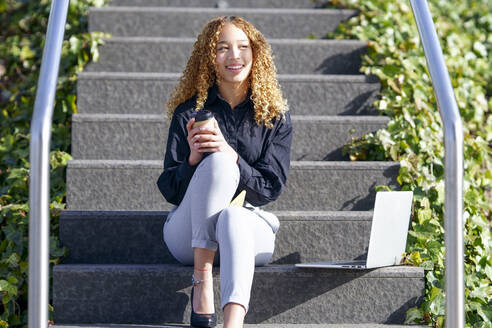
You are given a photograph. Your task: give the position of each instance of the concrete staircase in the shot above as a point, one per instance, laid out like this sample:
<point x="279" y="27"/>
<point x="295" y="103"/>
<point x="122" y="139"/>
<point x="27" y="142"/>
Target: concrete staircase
<point x="119" y="271"/>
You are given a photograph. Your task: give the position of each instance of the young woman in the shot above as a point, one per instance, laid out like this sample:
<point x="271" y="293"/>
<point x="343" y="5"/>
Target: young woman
<point x="246" y="147"/>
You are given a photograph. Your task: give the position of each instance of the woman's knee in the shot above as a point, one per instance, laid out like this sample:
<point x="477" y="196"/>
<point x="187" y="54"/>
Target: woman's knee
<point x="233" y="223"/>
<point x="178" y="242"/>
<point x="237" y="225"/>
<point x="219" y="165"/>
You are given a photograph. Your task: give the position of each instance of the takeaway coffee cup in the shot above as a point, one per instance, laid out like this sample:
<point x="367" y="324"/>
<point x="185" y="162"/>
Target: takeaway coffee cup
<point x="202" y="118"/>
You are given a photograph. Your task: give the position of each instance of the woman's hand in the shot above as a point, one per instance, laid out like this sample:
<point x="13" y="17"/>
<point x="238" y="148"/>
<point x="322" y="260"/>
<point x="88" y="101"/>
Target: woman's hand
<point x="206" y="139"/>
<point x="195" y="155"/>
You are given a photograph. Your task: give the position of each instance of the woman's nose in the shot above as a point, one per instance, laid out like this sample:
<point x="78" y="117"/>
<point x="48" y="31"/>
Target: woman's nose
<point x="234" y="52"/>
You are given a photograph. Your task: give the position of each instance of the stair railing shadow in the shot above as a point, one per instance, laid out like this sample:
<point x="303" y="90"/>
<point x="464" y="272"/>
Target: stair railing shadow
<point x="300" y="285"/>
<point x="367" y="203"/>
<point x="361" y="204"/>
<point x="400" y="314"/>
<point x="336" y="155"/>
<point x="361" y="105"/>
<point x="294" y="257"/>
<point x="347" y="63"/>
<point x="294" y="288"/>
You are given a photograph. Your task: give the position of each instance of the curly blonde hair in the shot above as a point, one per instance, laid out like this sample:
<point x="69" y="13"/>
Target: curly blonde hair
<point x="200" y="73"/>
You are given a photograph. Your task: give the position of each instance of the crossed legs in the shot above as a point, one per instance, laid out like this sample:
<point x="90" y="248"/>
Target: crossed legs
<point x="204" y="222"/>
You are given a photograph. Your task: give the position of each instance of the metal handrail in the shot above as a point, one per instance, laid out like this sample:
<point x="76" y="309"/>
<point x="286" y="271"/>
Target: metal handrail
<point x="39" y="176"/>
<point x="40" y="147"/>
<point x="453" y="147"/>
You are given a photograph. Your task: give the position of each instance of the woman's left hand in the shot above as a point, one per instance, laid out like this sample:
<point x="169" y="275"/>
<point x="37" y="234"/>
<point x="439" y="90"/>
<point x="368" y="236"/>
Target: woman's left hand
<point x="210" y="140"/>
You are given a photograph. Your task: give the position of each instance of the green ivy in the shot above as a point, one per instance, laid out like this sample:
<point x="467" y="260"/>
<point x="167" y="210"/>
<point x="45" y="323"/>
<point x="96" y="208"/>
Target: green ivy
<point x="414" y="135"/>
<point x="22" y="35"/>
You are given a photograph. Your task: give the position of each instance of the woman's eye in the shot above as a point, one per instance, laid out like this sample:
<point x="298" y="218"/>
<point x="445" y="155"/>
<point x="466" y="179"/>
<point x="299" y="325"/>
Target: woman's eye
<point x="244" y="46"/>
<point x="221" y="48"/>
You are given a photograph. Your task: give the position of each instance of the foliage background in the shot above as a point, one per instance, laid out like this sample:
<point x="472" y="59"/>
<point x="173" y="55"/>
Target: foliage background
<point x="414" y="135"/>
<point x="22" y="31"/>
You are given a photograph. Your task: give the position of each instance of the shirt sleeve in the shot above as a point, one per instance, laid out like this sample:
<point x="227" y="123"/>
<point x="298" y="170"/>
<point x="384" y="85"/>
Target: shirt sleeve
<point x="265" y="179"/>
<point x="177" y="173"/>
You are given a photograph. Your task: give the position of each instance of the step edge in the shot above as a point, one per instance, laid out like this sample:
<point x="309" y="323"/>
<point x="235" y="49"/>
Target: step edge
<point x="104" y="117"/>
<point x="347" y="78"/>
<point x="292" y="11"/>
<point x="401" y="271"/>
<point x="280" y="325"/>
<point x="160" y="39"/>
<point x="284" y="216"/>
<point x="340" y="165"/>
<point x="162" y="118"/>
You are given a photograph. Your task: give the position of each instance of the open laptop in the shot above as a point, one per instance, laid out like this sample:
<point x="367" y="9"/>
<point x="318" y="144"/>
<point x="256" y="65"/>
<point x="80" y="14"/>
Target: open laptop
<point x="389" y="231"/>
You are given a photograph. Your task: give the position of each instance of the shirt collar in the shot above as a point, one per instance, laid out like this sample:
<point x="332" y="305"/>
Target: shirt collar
<point x="213" y="95"/>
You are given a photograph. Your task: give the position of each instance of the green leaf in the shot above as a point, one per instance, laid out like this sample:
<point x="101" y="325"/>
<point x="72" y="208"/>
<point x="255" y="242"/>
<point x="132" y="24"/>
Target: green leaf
<point x="13" y="280"/>
<point x="480" y="48"/>
<point x="427" y="265"/>
<point x="488" y="271"/>
<point x="435" y="292"/>
<point x="485" y="312"/>
<point x="5" y="286"/>
<point x="391" y="70"/>
<point x="26" y="53"/>
<point x="414" y="315"/>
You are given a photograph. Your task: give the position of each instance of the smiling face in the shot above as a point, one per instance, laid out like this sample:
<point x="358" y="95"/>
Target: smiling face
<point x="234" y="56"/>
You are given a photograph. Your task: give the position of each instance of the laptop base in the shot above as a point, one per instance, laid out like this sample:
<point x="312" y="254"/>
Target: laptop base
<point x="357" y="265"/>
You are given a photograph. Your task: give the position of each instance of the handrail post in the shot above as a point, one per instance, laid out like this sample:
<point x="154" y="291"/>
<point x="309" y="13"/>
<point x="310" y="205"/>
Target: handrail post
<point x="39" y="175"/>
<point x="453" y="146"/>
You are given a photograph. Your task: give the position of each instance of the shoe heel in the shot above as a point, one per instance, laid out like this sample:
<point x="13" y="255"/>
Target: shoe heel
<point x="199" y="320"/>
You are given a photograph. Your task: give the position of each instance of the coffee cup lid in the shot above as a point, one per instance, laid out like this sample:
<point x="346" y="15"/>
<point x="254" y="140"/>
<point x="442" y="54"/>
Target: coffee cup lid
<point x="203" y="115"/>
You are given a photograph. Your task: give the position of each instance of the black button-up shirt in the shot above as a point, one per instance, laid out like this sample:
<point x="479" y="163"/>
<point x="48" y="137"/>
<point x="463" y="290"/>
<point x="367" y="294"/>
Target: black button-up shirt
<point x="264" y="153"/>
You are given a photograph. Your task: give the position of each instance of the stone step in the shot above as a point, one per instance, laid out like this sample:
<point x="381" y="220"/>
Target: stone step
<point x="113" y="136"/>
<point x="223" y="3"/>
<point x="156" y="294"/>
<point x="135" y="237"/>
<point x="309" y="325"/>
<point x="188" y="22"/>
<point x="292" y="56"/>
<point x="311" y="186"/>
<point x="147" y="93"/>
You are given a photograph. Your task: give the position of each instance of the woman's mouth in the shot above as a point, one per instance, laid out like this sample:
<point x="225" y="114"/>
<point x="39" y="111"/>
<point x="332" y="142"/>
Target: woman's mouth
<point x="234" y="68"/>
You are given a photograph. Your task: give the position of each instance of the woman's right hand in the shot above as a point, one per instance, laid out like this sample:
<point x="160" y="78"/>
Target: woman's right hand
<point x="206" y="138"/>
<point x="195" y="155"/>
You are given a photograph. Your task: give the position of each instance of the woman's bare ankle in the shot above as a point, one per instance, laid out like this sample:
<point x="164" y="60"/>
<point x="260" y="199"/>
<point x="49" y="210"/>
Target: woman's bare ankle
<point x="203" y="298"/>
<point x="202" y="274"/>
<point x="234" y="315"/>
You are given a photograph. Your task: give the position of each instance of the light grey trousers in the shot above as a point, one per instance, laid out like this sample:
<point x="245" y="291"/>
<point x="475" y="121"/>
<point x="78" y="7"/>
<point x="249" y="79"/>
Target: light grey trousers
<point x="204" y="219"/>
